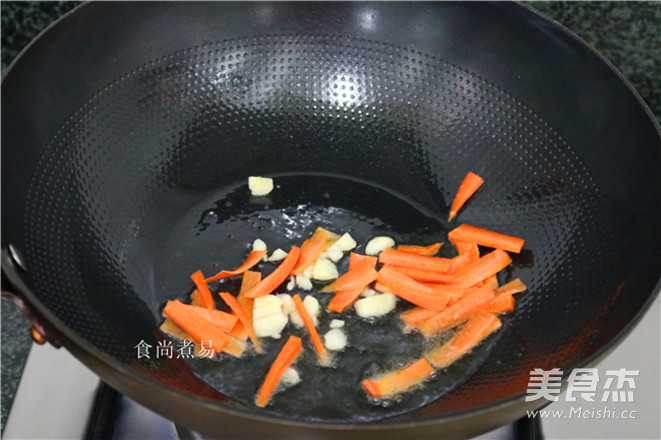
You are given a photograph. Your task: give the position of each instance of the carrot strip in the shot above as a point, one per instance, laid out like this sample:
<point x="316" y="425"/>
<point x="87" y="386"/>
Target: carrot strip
<point x="485" y="237"/>
<point x="253" y="258"/>
<point x="458" y="312"/>
<point x="196" y="299"/>
<point x="394" y="257"/>
<point x="380" y="287"/>
<point x="277" y="277"/>
<point x="249" y="280"/>
<point x="462" y="260"/>
<point x="468" y="186"/>
<point x="288" y="354"/>
<point x="478" y="327"/>
<point x="203" y="290"/>
<point x="245" y="320"/>
<point x="344" y="298"/>
<point x="420" y="250"/>
<point x="423" y="275"/>
<point x="501" y="304"/>
<point x="309" y="326"/>
<point x="504" y="300"/>
<point x="492" y="281"/>
<point x="416" y="316"/>
<point x="398" y="381"/>
<point x="199" y="329"/>
<point x="357" y="277"/>
<point x="479" y="270"/>
<point x="355" y="258"/>
<point x="413" y="291"/>
<point x="224" y="321"/>
<point x="462" y="246"/>
<point x="514" y="286"/>
<point x="312" y="248"/>
<point x="234" y="347"/>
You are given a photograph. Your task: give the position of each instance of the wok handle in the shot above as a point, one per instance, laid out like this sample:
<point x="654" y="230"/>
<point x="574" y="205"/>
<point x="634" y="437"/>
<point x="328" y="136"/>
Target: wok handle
<point x="38" y="332"/>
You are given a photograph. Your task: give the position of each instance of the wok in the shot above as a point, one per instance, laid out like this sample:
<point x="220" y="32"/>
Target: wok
<point x="129" y="130"/>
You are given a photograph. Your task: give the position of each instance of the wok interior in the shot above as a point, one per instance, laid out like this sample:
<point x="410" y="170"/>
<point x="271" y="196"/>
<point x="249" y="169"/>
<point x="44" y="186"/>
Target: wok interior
<point x="129" y="174"/>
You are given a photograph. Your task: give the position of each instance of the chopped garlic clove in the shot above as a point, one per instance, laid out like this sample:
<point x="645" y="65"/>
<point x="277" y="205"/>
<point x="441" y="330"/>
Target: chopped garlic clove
<point x="260" y="186"/>
<point x="336" y="323"/>
<point x="324" y="270"/>
<point x="291" y="377"/>
<point x="335" y="339"/>
<point x="277" y="255"/>
<point x="311" y="305"/>
<point x="292" y="283"/>
<point x="345" y="243"/>
<point x="308" y="271"/>
<point x="303" y="282"/>
<point x="268" y="316"/>
<point x="259" y="245"/>
<point x="378" y="244"/>
<point x="368" y="292"/>
<point x="376" y="305"/>
<point x="334" y="256"/>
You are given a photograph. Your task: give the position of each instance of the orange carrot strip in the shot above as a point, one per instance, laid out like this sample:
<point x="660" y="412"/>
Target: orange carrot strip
<point x="394" y="257"/>
<point x="254" y="258"/>
<point x="413" y="291"/>
<point x="514" y="286"/>
<point x="277" y="277"/>
<point x="462" y="246"/>
<point x="478" y="327"/>
<point x="501" y="304"/>
<point x="234" y="346"/>
<point x="380" y="287"/>
<point x="199" y="329"/>
<point x="423" y="275"/>
<point x="504" y="300"/>
<point x="485" y="237"/>
<point x="288" y="354"/>
<point x="468" y="186"/>
<point x="398" y="381"/>
<point x="224" y="321"/>
<point x="416" y="316"/>
<point x="238" y="311"/>
<point x="420" y="250"/>
<point x="250" y="279"/>
<point x="460" y="261"/>
<point x="196" y="299"/>
<point x="492" y="281"/>
<point x="309" y="326"/>
<point x="355" y="258"/>
<point x="458" y="312"/>
<point x="312" y="248"/>
<point x="357" y="277"/>
<point x="479" y="270"/>
<point x="344" y="298"/>
<point x="203" y="289"/>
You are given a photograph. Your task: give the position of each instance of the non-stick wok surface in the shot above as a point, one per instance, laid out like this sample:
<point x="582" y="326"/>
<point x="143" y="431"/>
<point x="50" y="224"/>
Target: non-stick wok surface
<point x="129" y="131"/>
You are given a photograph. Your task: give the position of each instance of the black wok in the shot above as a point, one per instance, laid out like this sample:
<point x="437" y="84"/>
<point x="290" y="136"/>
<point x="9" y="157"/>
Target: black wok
<point x="129" y="130"/>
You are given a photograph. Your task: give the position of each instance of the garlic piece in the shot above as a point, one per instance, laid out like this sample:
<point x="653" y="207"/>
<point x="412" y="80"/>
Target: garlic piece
<point x="311" y="305"/>
<point x="269" y="316"/>
<point x="277" y="255"/>
<point x="333" y="255"/>
<point x="345" y="243"/>
<point x="258" y="245"/>
<point x="335" y="339"/>
<point x="292" y="283"/>
<point x="368" y="292"/>
<point x="260" y="186"/>
<point x="336" y="323"/>
<point x="303" y="282"/>
<point x="324" y="270"/>
<point x="375" y="305"/>
<point x="291" y="377"/>
<point x="378" y="244"/>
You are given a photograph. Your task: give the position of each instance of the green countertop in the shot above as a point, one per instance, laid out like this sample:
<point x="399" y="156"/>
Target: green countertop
<point x="628" y="34"/>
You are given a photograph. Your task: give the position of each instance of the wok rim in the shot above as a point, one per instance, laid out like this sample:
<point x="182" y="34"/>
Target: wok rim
<point x="74" y="342"/>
